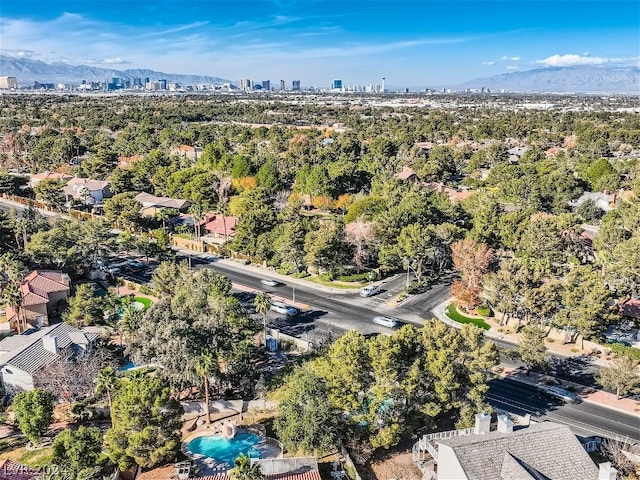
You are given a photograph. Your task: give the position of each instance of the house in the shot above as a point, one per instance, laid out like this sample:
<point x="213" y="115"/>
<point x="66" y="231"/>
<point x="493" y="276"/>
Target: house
<point x="22" y="356"/>
<point x="407" y="174"/>
<point x="42" y="291"/>
<point x="86" y="190"/>
<point x="604" y="201"/>
<point x="540" y="451"/>
<point x="516" y="153"/>
<point x="453" y="194"/>
<point x="187" y="151"/>
<point x="126" y="162"/>
<point x="47" y="175"/>
<point x="152" y="204"/>
<point x="219" y="226"/>
<point x="631" y="308"/>
<point x="423" y="147"/>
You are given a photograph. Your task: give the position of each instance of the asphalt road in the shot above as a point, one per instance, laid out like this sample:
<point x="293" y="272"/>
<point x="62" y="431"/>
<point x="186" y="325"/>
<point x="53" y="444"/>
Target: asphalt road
<point x="584" y="419"/>
<point x="336" y="313"/>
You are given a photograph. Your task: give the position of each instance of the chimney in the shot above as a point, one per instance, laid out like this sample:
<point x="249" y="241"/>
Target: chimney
<point x="607" y="472"/>
<point x="442" y="188"/>
<point x="505" y="425"/>
<point x="483" y="423"/>
<point x="50" y="343"/>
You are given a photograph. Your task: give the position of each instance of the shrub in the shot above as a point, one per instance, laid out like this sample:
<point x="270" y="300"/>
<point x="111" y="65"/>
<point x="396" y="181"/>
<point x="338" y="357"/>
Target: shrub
<point x="453" y="314"/>
<point x="485" y="311"/>
<point x="621" y="350"/>
<point x="354" y="277"/>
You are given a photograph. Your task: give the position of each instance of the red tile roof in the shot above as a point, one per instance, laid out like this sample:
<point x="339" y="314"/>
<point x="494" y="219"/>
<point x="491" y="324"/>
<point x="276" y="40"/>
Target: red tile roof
<point x="306" y="475"/>
<point x="631" y="308"/>
<point x="217" y="223"/>
<point x="406" y="173"/>
<point x="40" y="283"/>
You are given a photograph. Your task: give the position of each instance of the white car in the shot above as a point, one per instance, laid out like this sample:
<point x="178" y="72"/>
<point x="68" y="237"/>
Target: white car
<point x="370" y="291"/>
<point x="269" y="282"/>
<point x="284" y="309"/>
<point x="388" y="322"/>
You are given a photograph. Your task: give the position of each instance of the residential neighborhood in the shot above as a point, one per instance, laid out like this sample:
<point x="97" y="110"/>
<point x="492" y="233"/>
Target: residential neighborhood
<point x="237" y="298"/>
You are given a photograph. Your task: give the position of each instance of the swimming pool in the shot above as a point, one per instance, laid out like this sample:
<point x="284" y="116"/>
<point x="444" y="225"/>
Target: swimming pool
<point x="225" y="449"/>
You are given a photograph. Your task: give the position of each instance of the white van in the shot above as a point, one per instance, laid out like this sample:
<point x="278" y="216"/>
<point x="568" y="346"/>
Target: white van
<point x="284" y="309"/>
<point x="388" y="322"/>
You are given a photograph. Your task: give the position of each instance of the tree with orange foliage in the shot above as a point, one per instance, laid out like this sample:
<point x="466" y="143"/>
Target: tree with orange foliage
<point x="322" y="202"/>
<point x="472" y="261"/>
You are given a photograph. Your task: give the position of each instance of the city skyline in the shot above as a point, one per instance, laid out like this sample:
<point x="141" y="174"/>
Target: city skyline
<point x="408" y="42"/>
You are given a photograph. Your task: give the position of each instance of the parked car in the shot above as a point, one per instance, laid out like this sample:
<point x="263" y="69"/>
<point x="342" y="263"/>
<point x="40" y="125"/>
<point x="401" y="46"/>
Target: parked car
<point x="370" y="291"/>
<point x="388" y="322"/>
<point x="284" y="309"/>
<point x="269" y="282"/>
<point x="134" y="265"/>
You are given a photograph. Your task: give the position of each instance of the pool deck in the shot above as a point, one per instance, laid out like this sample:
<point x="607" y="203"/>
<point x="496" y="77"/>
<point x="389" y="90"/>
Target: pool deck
<point x="210" y="466"/>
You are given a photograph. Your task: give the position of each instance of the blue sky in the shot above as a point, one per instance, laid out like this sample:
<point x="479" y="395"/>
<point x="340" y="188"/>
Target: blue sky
<point x="410" y="42"/>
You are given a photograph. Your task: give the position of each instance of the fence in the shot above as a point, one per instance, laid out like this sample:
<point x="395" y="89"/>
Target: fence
<point x="349" y="462"/>
<point x="298" y="342"/>
<point x="274" y="466"/>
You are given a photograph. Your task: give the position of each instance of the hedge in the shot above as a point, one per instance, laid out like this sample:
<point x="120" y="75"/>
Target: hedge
<point x="453" y="314"/>
<point x="624" y="351"/>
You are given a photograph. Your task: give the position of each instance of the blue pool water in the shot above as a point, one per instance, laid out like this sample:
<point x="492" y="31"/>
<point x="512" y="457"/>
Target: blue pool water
<point x="223" y="449"/>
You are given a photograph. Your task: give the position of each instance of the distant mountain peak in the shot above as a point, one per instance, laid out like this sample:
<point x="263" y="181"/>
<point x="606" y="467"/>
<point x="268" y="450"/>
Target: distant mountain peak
<point x="579" y="79"/>
<point x="28" y="71"/>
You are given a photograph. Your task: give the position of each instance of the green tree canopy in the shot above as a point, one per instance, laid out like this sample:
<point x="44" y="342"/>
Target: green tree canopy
<point x="34" y="412"/>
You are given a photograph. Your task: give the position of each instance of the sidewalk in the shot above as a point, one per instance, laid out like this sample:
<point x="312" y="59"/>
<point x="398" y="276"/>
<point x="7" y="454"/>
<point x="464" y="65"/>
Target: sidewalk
<point x="267" y="272"/>
<point x="589" y="395"/>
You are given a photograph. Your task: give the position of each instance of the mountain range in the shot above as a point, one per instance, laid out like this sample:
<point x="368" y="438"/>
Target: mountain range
<point x="579" y="79"/>
<point x="28" y="71"/>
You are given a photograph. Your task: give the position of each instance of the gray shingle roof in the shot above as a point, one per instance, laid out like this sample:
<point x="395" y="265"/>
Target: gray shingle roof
<point x="547" y="449"/>
<point x="33" y="356"/>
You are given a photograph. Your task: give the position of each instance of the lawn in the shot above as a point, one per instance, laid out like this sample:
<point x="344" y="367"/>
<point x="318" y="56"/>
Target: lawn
<point x="452" y="312"/>
<point x="143" y="300"/>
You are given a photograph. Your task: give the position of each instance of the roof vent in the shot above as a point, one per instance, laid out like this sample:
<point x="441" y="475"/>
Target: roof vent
<point x="50" y="343"/>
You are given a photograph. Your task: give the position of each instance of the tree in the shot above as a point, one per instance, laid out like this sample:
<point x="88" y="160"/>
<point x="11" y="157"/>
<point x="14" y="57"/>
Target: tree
<point x="620" y="375"/>
<point x="585" y="297"/>
<point x="167" y="276"/>
<point x="244" y="469"/>
<point x="306" y="421"/>
<point x="123" y="211"/>
<point x="50" y="192"/>
<point x="34" y="412"/>
<point x="204" y="367"/>
<point x="146" y="424"/>
<point x="85" y="307"/>
<point x="262" y="304"/>
<point x="78" y="451"/>
<point x="531" y="347"/>
<point x="324" y="247"/>
<point x="107" y="381"/>
<point x="11" y="279"/>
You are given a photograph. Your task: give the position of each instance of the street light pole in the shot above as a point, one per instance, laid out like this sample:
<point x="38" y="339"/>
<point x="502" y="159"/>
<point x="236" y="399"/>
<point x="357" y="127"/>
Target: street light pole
<point x="294" y="289"/>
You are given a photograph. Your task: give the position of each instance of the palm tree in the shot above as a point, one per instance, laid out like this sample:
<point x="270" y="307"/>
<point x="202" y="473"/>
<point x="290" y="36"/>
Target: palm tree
<point x="197" y="211"/>
<point x="245" y="470"/>
<point x="129" y="320"/>
<point x="107" y="381"/>
<point x="10" y="284"/>
<point x="166" y="214"/>
<point x="262" y="304"/>
<point x="203" y="367"/>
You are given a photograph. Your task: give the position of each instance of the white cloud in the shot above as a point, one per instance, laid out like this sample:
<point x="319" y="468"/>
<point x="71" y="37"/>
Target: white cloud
<point x="515" y="59"/>
<point x="504" y="57"/>
<point x="114" y="61"/>
<point x="490" y="62"/>
<point x="571" y="59"/>
<point x="512" y="67"/>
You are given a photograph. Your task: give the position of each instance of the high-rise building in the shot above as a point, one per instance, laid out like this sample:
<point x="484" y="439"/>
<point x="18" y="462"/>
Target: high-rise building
<point x="266" y="85"/>
<point x="336" y="85"/>
<point x="137" y="82"/>
<point x="282" y="88"/>
<point x="8" y="82"/>
<point x="295" y="85"/>
<point x="246" y="84"/>
<point x="163" y="84"/>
